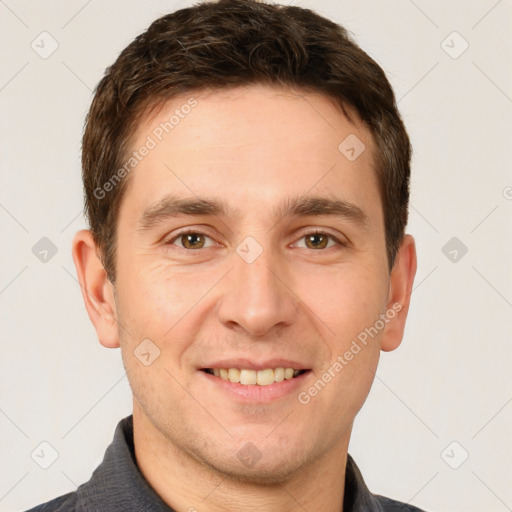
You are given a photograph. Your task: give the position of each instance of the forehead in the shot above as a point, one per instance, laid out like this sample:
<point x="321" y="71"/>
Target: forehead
<point x="254" y="145"/>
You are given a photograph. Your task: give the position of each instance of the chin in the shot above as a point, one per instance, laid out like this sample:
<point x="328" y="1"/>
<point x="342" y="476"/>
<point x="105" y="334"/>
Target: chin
<point x="272" y="466"/>
<point x="267" y="474"/>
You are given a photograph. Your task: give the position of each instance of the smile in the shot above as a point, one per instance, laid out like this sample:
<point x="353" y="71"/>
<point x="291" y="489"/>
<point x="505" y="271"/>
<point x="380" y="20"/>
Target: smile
<point x="248" y="377"/>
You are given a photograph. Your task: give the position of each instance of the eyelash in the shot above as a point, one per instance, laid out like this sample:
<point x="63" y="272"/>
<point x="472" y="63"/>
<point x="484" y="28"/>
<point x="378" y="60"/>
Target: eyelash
<point x="197" y="232"/>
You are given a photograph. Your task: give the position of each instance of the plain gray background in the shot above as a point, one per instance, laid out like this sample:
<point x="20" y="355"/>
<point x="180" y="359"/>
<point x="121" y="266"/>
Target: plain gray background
<point x="443" y="395"/>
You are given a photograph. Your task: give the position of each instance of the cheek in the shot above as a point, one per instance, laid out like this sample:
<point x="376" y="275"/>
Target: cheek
<point x="152" y="312"/>
<point x="162" y="304"/>
<point x="152" y="294"/>
<point x="346" y="300"/>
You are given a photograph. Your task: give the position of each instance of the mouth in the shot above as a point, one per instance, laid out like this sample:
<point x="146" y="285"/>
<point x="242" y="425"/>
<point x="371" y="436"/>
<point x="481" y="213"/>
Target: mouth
<point x="250" y="377"/>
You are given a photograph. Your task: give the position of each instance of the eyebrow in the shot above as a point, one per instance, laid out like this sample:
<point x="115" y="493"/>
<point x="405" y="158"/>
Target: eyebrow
<point x="306" y="206"/>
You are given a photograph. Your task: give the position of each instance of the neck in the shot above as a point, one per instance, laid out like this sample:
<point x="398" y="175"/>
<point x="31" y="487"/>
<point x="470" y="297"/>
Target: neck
<point x="186" y="484"/>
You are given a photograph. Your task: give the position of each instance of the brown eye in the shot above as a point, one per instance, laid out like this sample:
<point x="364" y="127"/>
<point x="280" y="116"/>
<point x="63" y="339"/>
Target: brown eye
<point x="191" y="240"/>
<point x="317" y="240"/>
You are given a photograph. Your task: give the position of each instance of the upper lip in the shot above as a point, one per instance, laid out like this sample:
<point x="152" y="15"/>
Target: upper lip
<point x="253" y="364"/>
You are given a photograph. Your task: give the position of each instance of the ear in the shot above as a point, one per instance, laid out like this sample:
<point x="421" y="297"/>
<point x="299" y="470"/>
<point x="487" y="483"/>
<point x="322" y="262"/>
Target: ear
<point x="97" y="290"/>
<point x="399" y="297"/>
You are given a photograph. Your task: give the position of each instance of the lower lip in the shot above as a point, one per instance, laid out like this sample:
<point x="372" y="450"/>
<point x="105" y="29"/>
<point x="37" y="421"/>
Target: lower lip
<point x="253" y="393"/>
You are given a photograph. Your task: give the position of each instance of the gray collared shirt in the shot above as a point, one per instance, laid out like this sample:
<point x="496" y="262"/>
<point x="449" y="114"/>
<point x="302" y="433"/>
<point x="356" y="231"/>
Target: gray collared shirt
<point x="117" y="485"/>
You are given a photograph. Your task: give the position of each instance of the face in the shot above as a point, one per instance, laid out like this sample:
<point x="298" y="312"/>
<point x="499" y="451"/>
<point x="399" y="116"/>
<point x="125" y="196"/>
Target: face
<point x="281" y="264"/>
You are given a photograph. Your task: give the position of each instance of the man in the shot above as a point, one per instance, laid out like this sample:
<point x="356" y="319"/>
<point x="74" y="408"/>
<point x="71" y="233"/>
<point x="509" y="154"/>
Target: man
<point x="246" y="178"/>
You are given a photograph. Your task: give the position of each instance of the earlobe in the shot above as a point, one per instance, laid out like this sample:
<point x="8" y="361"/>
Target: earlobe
<point x="97" y="290"/>
<point x="400" y="289"/>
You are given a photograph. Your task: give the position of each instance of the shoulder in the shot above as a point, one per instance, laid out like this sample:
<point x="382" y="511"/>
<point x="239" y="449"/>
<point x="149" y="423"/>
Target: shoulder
<point x="389" y="505"/>
<point x="64" y="503"/>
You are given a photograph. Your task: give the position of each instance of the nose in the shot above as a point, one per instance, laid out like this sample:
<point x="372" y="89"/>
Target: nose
<point x="258" y="297"/>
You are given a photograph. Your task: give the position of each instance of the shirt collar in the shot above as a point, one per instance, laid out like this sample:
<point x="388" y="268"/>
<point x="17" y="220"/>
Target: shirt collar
<point x="117" y="483"/>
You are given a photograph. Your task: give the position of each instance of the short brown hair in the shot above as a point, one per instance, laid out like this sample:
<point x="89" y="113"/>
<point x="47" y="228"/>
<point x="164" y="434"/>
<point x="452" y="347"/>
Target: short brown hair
<point x="229" y="43"/>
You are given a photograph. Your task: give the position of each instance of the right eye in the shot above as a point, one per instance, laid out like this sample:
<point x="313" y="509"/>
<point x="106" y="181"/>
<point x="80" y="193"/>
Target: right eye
<point x="190" y="240"/>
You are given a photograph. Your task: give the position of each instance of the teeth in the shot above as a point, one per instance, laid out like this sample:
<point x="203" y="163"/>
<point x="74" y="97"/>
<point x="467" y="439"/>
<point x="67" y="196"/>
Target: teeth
<point x="279" y="374"/>
<point x="251" y="377"/>
<point x="265" y="377"/>
<point x="234" y="375"/>
<point x="247" y="377"/>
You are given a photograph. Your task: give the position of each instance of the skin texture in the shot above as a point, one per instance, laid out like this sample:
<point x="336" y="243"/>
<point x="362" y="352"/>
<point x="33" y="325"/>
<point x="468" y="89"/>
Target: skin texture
<point x="252" y="147"/>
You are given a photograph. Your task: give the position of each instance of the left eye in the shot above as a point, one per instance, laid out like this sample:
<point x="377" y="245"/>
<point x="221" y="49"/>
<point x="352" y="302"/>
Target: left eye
<point x="319" y="240"/>
<point x="192" y="240"/>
